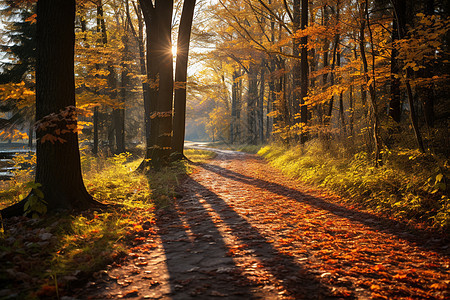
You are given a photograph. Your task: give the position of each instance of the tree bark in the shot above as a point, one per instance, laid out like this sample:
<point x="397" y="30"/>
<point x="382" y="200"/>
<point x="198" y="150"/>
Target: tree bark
<point x="184" y="36"/>
<point x="158" y="110"/>
<point x="252" y="99"/>
<point x="297" y="64"/>
<point x="304" y="73"/>
<point x="398" y="28"/>
<point x="260" y="104"/>
<point x="376" y="137"/>
<point x="58" y="167"/>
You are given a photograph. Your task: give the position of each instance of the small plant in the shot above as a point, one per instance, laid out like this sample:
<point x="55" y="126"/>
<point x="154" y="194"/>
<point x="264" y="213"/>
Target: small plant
<point x="35" y="204"/>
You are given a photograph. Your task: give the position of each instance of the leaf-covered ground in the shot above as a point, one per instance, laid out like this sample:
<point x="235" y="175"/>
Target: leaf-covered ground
<point x="244" y="231"/>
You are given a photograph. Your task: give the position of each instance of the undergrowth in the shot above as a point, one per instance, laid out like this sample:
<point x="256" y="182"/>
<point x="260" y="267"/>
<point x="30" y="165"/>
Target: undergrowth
<point x="410" y="185"/>
<point x="79" y="244"/>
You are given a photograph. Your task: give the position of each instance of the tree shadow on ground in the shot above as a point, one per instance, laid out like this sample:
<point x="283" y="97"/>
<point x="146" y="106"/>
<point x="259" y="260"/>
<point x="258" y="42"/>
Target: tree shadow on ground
<point x="426" y="239"/>
<point x="195" y="246"/>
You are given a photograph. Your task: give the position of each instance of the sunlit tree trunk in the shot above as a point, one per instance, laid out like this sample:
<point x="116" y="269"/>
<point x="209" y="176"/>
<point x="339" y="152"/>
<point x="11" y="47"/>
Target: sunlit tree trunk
<point x="184" y="35"/>
<point x="158" y="109"/>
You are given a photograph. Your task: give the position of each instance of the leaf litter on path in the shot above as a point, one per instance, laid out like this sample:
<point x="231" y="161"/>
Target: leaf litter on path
<point x="244" y="231"/>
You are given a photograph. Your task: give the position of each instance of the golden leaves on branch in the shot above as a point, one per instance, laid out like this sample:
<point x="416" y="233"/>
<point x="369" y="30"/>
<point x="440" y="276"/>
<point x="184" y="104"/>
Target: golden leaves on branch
<point x="56" y="125"/>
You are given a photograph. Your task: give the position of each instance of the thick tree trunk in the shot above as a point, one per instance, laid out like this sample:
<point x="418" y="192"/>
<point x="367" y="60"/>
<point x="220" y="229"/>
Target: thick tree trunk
<point x="184" y="35"/>
<point x="164" y="10"/>
<point x="58" y="167"/>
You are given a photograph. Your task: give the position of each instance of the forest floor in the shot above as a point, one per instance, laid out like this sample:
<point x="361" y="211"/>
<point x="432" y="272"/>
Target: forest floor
<point x="242" y="230"/>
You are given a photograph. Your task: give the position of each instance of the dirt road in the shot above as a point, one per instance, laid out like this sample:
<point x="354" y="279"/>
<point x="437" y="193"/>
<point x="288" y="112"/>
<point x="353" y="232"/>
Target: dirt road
<point x="242" y="230"/>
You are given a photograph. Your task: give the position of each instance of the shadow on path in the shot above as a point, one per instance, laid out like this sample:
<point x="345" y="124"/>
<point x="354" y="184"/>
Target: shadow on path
<point x="201" y="251"/>
<point x="421" y="238"/>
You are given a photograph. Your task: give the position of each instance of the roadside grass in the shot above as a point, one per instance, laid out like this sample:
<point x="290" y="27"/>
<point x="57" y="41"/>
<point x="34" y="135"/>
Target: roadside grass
<point x="44" y="257"/>
<point x="410" y="185"/>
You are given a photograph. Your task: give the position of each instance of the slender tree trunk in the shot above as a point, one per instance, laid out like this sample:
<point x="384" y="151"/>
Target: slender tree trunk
<point x="184" y="35"/>
<point x="270" y="101"/>
<point x="235" y="106"/>
<point x="252" y="99"/>
<point x="151" y="128"/>
<point x="304" y="73"/>
<point x="398" y="28"/>
<point x="374" y="115"/>
<point x="351" y="111"/>
<point x="143" y="69"/>
<point x="260" y="104"/>
<point x="30" y="135"/>
<point x="413" y="116"/>
<point x="297" y="43"/>
<point x="426" y="91"/>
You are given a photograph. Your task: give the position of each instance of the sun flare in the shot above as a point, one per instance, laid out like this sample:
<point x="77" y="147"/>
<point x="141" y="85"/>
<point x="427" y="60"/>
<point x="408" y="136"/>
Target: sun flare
<point x="174" y="50"/>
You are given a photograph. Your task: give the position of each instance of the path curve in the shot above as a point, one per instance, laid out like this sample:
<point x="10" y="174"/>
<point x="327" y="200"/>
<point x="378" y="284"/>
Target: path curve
<point x="242" y="230"/>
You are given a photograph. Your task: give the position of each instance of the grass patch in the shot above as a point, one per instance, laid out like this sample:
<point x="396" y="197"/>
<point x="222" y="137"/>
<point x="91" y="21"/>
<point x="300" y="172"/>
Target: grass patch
<point x="199" y="156"/>
<point x="410" y="186"/>
<point x="64" y="248"/>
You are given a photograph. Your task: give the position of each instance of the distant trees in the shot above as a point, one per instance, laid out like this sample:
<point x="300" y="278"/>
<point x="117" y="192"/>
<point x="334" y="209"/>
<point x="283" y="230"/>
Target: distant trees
<point x="337" y="70"/>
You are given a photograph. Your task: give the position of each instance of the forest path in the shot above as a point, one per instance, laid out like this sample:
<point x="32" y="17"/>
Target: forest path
<point x="242" y="230"/>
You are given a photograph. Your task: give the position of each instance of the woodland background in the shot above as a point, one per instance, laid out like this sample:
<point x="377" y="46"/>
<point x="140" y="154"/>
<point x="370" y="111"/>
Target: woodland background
<point x="362" y="84"/>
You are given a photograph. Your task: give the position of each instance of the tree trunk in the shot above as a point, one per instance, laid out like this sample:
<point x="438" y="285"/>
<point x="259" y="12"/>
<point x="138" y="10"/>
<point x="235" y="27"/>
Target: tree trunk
<point x="158" y="110"/>
<point x="58" y="167"/>
<point x="398" y="29"/>
<point x="252" y="99"/>
<point x="426" y="91"/>
<point x="413" y="116"/>
<point x="164" y="10"/>
<point x="260" y="104"/>
<point x="235" y="107"/>
<point x="304" y="73"/>
<point x="376" y="137"/>
<point x="184" y="36"/>
<point x="143" y="69"/>
<point x="297" y="63"/>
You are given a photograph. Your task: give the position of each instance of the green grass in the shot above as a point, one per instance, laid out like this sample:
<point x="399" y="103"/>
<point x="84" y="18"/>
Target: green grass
<point x="84" y="243"/>
<point x="199" y="156"/>
<point x="410" y="186"/>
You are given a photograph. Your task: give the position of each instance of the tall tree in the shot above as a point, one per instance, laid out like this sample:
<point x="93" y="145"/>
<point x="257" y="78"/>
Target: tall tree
<point x="58" y="169"/>
<point x="304" y="71"/>
<point x="158" y="110"/>
<point x="184" y="35"/>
